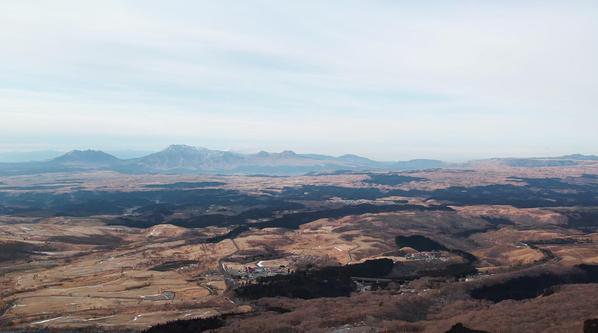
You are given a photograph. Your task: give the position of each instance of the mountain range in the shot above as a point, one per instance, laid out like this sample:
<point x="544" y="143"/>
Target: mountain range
<point x="188" y="159"/>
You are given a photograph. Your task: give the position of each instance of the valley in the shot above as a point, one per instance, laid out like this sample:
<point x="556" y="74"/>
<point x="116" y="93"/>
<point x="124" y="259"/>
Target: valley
<point x="415" y="251"/>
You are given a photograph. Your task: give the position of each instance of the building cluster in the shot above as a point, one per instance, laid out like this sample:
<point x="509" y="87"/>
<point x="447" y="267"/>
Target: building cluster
<point x="251" y="273"/>
<point x="427" y="256"/>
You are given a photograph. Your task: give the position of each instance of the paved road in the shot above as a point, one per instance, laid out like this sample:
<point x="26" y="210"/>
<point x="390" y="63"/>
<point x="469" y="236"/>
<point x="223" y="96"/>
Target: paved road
<point x="350" y="253"/>
<point x="228" y="280"/>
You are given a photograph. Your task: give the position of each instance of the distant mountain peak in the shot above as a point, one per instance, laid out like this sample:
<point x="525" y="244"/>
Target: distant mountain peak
<point x="181" y="148"/>
<point x="354" y="158"/>
<point x="580" y="157"/>
<point x="88" y="156"/>
<point x="186" y="157"/>
<point x="86" y="153"/>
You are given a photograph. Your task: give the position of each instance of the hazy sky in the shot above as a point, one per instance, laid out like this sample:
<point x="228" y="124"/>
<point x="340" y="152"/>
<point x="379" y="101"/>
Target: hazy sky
<point x="386" y="79"/>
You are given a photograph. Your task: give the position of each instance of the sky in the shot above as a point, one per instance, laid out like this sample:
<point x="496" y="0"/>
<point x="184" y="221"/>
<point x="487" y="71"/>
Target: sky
<point x="390" y="80"/>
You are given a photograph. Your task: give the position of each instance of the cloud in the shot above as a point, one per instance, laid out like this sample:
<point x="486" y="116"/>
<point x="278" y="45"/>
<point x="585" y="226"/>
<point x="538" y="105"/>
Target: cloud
<point x="385" y="79"/>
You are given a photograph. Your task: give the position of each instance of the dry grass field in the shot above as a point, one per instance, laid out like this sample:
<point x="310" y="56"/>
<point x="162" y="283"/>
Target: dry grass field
<point x="94" y="269"/>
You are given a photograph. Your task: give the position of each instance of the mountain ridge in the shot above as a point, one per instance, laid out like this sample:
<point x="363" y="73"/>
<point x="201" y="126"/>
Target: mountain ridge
<point x="89" y="156"/>
<point x="180" y="158"/>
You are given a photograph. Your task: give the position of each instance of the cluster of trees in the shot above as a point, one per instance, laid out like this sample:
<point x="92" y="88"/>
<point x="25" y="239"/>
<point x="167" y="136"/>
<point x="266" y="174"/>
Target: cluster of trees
<point x="188" y="326"/>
